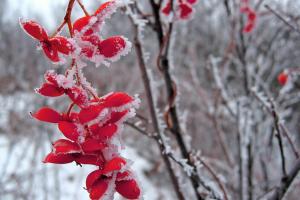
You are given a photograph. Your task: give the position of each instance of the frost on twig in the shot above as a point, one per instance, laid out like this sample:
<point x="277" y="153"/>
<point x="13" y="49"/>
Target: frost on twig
<point x="280" y="126"/>
<point x="229" y="103"/>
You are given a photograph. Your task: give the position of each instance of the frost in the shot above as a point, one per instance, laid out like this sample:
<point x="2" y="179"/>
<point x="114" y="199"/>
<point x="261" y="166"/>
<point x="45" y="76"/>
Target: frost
<point x="109" y="194"/>
<point x="122" y="52"/>
<point x="231" y="105"/>
<point x="138" y="123"/>
<point x="75" y="48"/>
<point x="102" y="116"/>
<point x="22" y="23"/>
<point x="133" y="104"/>
<point x="161" y="121"/>
<point x="287" y="88"/>
<point x="92" y="22"/>
<point x="80" y="129"/>
<point x="129" y="115"/>
<point x="141" y="23"/>
<point x="66" y="83"/>
<point x="99" y="59"/>
<point x="186" y="167"/>
<point x="261" y="97"/>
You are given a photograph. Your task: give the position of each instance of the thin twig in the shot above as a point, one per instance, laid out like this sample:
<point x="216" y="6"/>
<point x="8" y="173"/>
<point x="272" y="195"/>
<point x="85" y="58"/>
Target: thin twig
<point x="278" y="15"/>
<point x="214" y="175"/>
<point x="221" y="140"/>
<point x="278" y="136"/>
<point x="59" y="28"/>
<point x="226" y="4"/>
<point x="67" y="17"/>
<point x="83" y="8"/>
<point x="67" y="20"/>
<point x="240" y="158"/>
<point x="171" y="112"/>
<point x="280" y="123"/>
<point x="150" y="99"/>
<point x="250" y="170"/>
<point x="193" y="169"/>
<point x="286" y="182"/>
<point x="132" y="125"/>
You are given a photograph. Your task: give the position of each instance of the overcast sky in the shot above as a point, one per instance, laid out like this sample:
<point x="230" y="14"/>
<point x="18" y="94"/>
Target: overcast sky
<point x="43" y="9"/>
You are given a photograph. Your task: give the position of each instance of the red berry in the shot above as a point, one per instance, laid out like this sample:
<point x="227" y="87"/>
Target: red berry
<point x="282" y="78"/>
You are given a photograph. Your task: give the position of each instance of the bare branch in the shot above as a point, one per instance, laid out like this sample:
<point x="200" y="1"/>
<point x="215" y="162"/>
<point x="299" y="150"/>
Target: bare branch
<point x="281" y="18"/>
<point x="286" y="182"/>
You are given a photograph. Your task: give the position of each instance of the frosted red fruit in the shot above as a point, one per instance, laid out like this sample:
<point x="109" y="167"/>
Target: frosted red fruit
<point x="34" y="29"/>
<point x="128" y="189"/>
<point x="117" y="99"/>
<point x="50" y="90"/>
<point x="112" y="46"/>
<point x="46" y="114"/>
<point x="167" y="9"/>
<point x="184" y="10"/>
<point x="58" y="158"/>
<point x="282" y="78"/>
<point x="80" y="25"/>
<point x="64" y="146"/>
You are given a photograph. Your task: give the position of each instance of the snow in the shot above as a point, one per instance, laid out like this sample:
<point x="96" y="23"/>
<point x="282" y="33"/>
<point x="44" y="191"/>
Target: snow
<point x="65" y="82"/>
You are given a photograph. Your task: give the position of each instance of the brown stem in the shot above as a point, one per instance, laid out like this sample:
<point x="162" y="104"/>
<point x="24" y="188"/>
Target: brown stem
<point x="221" y="140"/>
<point x="153" y="114"/>
<point x="70" y="109"/>
<point x="240" y="159"/>
<point x="67" y="20"/>
<point x="287" y="135"/>
<point x="286" y="182"/>
<point x="265" y="174"/>
<point x="226" y="4"/>
<point x="179" y="162"/>
<point x="67" y="17"/>
<point x="271" y="109"/>
<point x="250" y="170"/>
<point x="278" y="136"/>
<point x="171" y="92"/>
<point x="83" y="8"/>
<point x="241" y="51"/>
<point x="214" y="175"/>
<point x="59" y="28"/>
<point x="282" y="19"/>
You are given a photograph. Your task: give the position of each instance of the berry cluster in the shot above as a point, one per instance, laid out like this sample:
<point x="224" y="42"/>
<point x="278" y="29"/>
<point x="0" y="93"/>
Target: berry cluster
<point x="251" y="17"/>
<point x="183" y="8"/>
<point x="86" y="42"/>
<point x="91" y="125"/>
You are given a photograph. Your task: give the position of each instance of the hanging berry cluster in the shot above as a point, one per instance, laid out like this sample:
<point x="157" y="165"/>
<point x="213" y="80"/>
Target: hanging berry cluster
<point x="251" y="16"/>
<point x="183" y="8"/>
<point x="91" y="125"/>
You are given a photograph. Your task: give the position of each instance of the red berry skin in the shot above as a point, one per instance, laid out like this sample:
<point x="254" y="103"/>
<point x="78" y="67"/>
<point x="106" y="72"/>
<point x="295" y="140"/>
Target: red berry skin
<point x="46" y="114"/>
<point x="282" y="78"/>
<point x="248" y="27"/>
<point x="167" y="9"/>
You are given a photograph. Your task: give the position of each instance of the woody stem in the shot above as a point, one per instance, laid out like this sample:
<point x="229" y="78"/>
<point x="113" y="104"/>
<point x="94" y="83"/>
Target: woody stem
<point x="67" y="18"/>
<point x="59" y="28"/>
<point x="70" y="109"/>
<point x="83" y="8"/>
